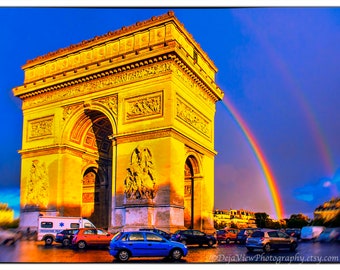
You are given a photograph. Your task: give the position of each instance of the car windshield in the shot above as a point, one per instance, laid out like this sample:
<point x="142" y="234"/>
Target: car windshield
<point x="117" y="236"/>
<point x="257" y="234"/>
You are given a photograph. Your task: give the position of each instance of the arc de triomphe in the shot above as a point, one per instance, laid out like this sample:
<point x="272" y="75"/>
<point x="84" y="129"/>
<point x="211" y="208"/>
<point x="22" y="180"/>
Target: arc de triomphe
<point x="120" y="129"/>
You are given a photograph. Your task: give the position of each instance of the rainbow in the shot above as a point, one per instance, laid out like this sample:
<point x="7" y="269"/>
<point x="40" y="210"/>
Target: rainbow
<point x="264" y="165"/>
<point x="311" y="120"/>
<point x="293" y="86"/>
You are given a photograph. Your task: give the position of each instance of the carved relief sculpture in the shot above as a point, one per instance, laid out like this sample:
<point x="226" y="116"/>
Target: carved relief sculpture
<point x="37" y="185"/>
<point x="140" y="181"/>
<point x="40" y="128"/>
<point x="193" y="118"/>
<point x="143" y="107"/>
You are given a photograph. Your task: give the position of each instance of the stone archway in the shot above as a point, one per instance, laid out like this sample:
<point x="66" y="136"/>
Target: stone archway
<point x="97" y="178"/>
<point x="88" y="107"/>
<point x="191" y="172"/>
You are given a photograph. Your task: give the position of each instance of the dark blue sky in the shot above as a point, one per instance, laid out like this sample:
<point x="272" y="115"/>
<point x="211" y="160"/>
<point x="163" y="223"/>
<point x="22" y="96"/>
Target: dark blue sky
<point x="279" y="67"/>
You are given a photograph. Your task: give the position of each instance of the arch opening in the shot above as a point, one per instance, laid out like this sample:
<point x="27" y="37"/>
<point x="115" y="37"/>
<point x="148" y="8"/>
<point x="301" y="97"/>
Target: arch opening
<point x="191" y="170"/>
<point x="97" y="178"/>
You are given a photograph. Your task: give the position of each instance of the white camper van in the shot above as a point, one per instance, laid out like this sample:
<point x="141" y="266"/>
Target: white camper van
<point x="49" y="226"/>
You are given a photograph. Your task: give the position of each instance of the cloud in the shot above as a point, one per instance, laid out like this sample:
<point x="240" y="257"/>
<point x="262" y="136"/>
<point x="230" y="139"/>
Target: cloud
<point x="320" y="191"/>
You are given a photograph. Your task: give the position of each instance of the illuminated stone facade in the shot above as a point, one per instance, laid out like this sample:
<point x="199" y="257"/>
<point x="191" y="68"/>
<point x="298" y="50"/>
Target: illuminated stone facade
<point x="328" y="210"/>
<point x="120" y="129"/>
<point x="235" y="218"/>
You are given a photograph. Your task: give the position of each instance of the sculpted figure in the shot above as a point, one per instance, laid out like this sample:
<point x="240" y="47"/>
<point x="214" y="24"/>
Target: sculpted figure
<point x="140" y="182"/>
<point x="37" y="185"/>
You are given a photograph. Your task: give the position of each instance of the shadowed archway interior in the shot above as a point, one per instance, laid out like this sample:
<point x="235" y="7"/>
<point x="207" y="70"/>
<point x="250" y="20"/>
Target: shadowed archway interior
<point x="97" y="178"/>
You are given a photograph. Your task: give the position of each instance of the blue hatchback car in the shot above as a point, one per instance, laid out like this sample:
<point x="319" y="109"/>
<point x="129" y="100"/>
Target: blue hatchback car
<point x="144" y="244"/>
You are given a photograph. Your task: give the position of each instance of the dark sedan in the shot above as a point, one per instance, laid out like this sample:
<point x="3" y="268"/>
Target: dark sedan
<point x="193" y="237"/>
<point x="65" y="237"/>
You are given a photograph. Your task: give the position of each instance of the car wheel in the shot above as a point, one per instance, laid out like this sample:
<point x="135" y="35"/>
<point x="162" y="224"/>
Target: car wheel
<point x="48" y="241"/>
<point x="176" y="254"/>
<point x="81" y="245"/>
<point x="267" y="248"/>
<point x="210" y="243"/>
<point x="250" y="249"/>
<point x="293" y="246"/>
<point x="184" y="242"/>
<point x="66" y="242"/>
<point x="123" y="255"/>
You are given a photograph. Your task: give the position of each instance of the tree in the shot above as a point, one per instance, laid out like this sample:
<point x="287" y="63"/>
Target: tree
<point x="260" y="219"/>
<point x="219" y="225"/>
<point x="297" y="221"/>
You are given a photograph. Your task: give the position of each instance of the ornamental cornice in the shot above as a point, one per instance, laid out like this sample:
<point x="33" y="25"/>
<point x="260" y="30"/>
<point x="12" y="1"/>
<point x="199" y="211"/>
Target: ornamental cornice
<point x="121" y="75"/>
<point x="204" y="82"/>
<point x="113" y="77"/>
<point x="119" y="33"/>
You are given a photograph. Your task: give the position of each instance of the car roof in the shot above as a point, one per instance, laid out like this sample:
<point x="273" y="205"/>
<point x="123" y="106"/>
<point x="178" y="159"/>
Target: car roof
<point x="267" y="230"/>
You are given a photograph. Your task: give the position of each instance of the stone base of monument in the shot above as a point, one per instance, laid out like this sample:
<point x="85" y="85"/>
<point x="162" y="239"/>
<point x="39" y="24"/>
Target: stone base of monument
<point x="136" y="214"/>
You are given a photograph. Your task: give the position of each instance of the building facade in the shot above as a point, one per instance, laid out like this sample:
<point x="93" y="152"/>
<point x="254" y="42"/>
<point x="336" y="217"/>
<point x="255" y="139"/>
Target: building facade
<point x="328" y="210"/>
<point x="235" y="218"/>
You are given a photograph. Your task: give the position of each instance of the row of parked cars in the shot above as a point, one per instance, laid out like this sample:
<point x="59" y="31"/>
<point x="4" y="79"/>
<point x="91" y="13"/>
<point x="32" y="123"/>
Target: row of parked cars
<point x="148" y="242"/>
<point x="152" y="242"/>
<point x="263" y="239"/>
<point x="268" y="239"/>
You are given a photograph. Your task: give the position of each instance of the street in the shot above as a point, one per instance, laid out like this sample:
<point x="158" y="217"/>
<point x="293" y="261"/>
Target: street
<point x="307" y="252"/>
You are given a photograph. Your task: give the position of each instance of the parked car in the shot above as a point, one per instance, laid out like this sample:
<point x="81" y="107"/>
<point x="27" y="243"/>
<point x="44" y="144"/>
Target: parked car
<point x="311" y="232"/>
<point x="268" y="239"/>
<point x="329" y="235"/>
<point x="144" y="244"/>
<point x="85" y="237"/>
<point x="193" y="237"/>
<point x="65" y="237"/>
<point x="293" y="232"/>
<point x="244" y="234"/>
<point x="160" y="232"/>
<point x="226" y="235"/>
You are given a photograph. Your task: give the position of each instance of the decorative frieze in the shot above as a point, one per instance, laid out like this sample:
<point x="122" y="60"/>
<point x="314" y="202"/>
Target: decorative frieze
<point x="96" y="83"/>
<point x="193" y="118"/>
<point x="142" y="107"/>
<point x="193" y="86"/>
<point x="40" y="128"/>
